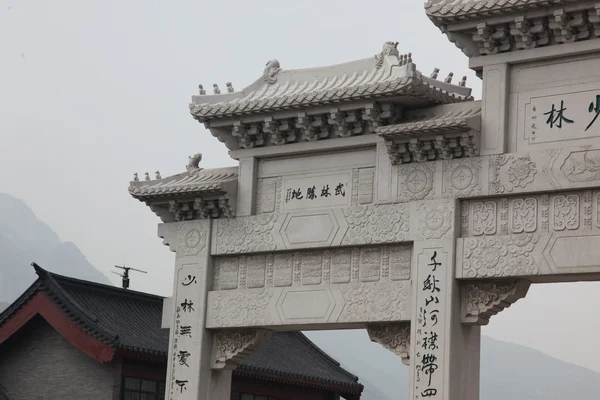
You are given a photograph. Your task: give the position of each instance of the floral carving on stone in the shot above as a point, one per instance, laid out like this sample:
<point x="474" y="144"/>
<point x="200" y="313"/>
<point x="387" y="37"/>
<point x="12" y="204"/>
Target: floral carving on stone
<point x="566" y="212"/>
<point x="518" y="172"/>
<point x="231" y="347"/>
<point x="246" y="234"/>
<point x="524" y="215"/>
<point x="415" y="181"/>
<point x="582" y="166"/>
<point x="381" y="301"/>
<point x="191" y="238"/>
<point x="376" y="224"/>
<point x="482" y="300"/>
<point x="435" y="220"/>
<point x="394" y="337"/>
<point x="490" y="256"/>
<point x="484" y="218"/>
<point x="241" y="307"/>
<point x="461" y="177"/>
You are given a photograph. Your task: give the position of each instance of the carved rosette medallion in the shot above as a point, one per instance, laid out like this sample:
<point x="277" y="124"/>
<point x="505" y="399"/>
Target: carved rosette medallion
<point x="435" y="220"/>
<point x="499" y="256"/>
<point x="461" y="177"/>
<point x="231" y="347"/>
<point x="191" y="238"/>
<point x="246" y="234"/>
<point x="481" y="300"/>
<point x="508" y="172"/>
<point x="381" y="301"/>
<point x="394" y="337"/>
<point x="415" y="181"/>
<point x="376" y="224"/>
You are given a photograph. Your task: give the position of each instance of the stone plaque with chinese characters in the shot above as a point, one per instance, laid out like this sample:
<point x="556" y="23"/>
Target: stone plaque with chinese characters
<point x="563" y="117"/>
<point x="316" y="191"/>
<point x="430" y="334"/>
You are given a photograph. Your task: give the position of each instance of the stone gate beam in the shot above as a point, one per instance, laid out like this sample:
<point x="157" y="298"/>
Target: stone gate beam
<point x="444" y="353"/>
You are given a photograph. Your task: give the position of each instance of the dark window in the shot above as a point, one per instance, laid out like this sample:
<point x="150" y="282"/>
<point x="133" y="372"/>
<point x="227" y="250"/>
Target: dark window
<point x="142" y="389"/>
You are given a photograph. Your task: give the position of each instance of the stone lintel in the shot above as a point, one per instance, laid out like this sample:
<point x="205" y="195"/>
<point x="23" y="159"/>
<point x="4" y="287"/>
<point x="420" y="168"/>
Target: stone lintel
<point x="483" y="299"/>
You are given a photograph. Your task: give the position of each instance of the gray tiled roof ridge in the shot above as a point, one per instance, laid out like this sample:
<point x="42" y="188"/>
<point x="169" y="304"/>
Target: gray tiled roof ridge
<point x="464" y="9"/>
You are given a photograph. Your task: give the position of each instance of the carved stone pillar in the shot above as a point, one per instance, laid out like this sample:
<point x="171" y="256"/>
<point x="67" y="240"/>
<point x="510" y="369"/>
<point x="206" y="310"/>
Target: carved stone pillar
<point x="484" y="299"/>
<point x="190" y="344"/>
<point x="246" y="192"/>
<point x="394" y="337"/>
<point x="444" y="355"/>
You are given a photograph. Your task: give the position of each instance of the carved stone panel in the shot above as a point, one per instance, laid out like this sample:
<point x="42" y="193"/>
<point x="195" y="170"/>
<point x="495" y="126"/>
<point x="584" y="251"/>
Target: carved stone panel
<point x="314" y="267"/>
<point x="366" y="184"/>
<point x="353" y="304"/>
<point x="283" y="264"/>
<point x="539" y="213"/>
<point x="256" y="271"/>
<point x="460" y="177"/>
<point x="415" y="181"/>
<point x="341" y="265"/>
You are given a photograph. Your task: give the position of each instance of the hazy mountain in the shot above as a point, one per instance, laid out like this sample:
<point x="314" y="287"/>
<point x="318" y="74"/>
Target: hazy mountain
<point x="24" y="239"/>
<point x="508" y="371"/>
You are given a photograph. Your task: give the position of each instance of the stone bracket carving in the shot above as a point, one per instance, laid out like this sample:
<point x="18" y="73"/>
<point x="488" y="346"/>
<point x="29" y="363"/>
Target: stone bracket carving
<point x="394" y="337"/>
<point x="310" y="128"/>
<point x="483" y="299"/>
<point x="433" y="147"/>
<point x="527" y="32"/>
<point x="231" y="347"/>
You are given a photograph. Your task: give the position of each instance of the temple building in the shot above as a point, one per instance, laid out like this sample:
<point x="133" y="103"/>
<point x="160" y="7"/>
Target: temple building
<point x="66" y="338"/>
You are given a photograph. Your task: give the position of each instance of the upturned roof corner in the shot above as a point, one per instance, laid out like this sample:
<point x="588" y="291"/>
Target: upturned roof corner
<point x="291" y="106"/>
<point x="194" y="194"/>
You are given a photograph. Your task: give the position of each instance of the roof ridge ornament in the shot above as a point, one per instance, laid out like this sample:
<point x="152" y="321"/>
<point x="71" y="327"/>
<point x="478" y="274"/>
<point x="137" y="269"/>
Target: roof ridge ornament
<point x="272" y="68"/>
<point x="388" y="49"/>
<point x="193" y="163"/>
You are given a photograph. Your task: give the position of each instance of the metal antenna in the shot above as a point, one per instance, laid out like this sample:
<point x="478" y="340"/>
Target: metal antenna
<point x="125" y="274"/>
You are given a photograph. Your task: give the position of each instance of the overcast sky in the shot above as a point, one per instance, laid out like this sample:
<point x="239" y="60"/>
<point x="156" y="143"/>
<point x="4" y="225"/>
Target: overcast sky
<point x="93" y="91"/>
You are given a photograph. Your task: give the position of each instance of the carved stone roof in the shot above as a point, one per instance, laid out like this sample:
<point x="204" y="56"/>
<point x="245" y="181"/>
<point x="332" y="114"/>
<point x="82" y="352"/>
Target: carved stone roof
<point x="456" y="10"/>
<point x="380" y="76"/>
<point x="465" y="117"/>
<point x="442" y="132"/>
<point x="195" y="194"/>
<point x="489" y="27"/>
<point x="195" y="182"/>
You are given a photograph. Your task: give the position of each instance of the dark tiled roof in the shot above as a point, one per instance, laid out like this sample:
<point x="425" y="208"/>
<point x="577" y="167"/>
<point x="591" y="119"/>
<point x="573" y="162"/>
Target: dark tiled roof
<point x="120" y="318"/>
<point x="293" y="355"/>
<point x="3" y="394"/>
<point x="131" y="321"/>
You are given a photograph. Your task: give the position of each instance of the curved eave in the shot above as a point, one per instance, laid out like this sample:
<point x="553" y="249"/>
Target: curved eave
<point x="407" y="86"/>
<point x="354" y="389"/>
<point x="179" y="192"/>
<point x="432" y="126"/>
<point x="445" y="11"/>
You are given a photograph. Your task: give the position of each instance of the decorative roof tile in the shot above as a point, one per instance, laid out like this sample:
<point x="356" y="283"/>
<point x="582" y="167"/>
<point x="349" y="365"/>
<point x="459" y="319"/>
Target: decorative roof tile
<point x="454" y="10"/>
<point x="465" y="116"/>
<point x="384" y="75"/>
<point x="193" y="182"/>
